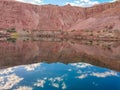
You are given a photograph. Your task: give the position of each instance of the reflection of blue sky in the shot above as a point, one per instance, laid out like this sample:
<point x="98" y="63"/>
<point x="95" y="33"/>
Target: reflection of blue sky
<point x="58" y="76"/>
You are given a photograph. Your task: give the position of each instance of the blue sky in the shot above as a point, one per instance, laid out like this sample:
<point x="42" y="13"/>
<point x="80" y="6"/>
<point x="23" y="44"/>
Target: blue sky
<point x="82" y="3"/>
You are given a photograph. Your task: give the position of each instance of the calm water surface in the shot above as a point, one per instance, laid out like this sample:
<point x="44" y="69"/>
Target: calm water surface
<point x="32" y="64"/>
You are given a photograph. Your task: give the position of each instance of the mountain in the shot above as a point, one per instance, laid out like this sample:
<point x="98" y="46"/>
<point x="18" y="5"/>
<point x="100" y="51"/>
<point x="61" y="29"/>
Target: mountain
<point x="108" y="16"/>
<point x="19" y="15"/>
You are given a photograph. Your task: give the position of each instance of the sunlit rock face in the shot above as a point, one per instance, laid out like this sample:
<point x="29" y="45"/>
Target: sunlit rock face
<point x="104" y="54"/>
<point x="51" y="17"/>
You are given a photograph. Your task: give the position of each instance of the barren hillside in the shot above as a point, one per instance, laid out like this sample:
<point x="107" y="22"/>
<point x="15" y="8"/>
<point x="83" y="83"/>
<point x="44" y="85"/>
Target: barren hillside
<point x="51" y="17"/>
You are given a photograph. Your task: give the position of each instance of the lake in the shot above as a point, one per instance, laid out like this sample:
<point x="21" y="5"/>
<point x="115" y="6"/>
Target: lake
<point x="59" y="64"/>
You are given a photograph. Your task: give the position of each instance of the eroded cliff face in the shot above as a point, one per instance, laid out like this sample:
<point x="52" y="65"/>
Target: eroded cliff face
<point x="51" y="17"/>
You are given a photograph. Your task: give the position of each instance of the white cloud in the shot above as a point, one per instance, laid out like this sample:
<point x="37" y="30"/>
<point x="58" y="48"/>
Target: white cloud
<point x="20" y="0"/>
<point x="105" y="74"/>
<point x="83" y="3"/>
<point x="32" y="1"/>
<point x="114" y="0"/>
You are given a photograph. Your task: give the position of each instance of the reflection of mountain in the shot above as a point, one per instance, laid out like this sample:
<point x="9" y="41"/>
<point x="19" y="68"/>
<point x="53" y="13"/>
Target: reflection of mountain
<point x="26" y="52"/>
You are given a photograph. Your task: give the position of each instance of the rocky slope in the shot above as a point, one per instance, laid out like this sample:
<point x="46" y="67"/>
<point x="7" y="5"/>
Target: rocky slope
<point x="51" y="17"/>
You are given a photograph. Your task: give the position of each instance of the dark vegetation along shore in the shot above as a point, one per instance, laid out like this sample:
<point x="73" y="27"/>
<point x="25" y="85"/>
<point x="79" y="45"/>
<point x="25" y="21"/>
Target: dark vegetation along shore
<point x="102" y="35"/>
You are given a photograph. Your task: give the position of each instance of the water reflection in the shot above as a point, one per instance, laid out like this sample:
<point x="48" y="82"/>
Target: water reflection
<point x="65" y="64"/>
<point x="28" y="50"/>
<point x="73" y="76"/>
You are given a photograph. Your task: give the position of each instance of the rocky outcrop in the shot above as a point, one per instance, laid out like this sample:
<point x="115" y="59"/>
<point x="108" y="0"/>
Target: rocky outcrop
<point x="51" y="17"/>
<point x="99" y="23"/>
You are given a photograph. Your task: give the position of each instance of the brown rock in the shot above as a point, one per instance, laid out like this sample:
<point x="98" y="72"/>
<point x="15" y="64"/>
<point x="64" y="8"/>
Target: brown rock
<point x="51" y="17"/>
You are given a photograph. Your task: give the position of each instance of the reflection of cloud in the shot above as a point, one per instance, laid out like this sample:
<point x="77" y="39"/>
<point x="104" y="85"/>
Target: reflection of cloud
<point x="69" y="70"/>
<point x="55" y="81"/>
<point x="64" y="86"/>
<point x="40" y="83"/>
<point x="1" y="80"/>
<point x="31" y="67"/>
<point x="6" y="71"/>
<point x="82" y="76"/>
<point x="95" y="84"/>
<point x="7" y="82"/>
<point x="80" y="65"/>
<point x="24" y="88"/>
<point x="105" y="74"/>
<point x="86" y="73"/>
<point x="89" y="71"/>
<point x="55" y="85"/>
<point x="79" y="71"/>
